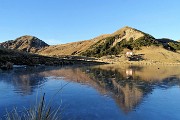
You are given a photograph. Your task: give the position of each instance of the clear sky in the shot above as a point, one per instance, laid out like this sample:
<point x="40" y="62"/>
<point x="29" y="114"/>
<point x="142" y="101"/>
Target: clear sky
<point x="63" y="21"/>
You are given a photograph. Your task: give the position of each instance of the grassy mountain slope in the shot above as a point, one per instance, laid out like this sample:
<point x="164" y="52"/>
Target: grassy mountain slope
<point x="145" y="46"/>
<point x="159" y="54"/>
<point x="92" y="46"/>
<point x="147" y="55"/>
<point x="66" y="49"/>
<point x="124" y="38"/>
<point x="74" y="48"/>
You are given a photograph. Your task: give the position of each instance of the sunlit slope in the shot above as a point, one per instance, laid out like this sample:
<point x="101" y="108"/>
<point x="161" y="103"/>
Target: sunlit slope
<point x="74" y="48"/>
<point x="159" y="54"/>
<point x="83" y="47"/>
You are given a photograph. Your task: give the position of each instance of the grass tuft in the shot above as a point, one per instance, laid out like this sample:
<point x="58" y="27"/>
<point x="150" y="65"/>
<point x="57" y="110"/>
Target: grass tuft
<point x="38" y="112"/>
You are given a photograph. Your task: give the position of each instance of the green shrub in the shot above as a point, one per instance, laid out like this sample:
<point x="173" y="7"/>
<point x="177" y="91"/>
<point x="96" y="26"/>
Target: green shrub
<point x="174" y="46"/>
<point x="100" y="49"/>
<point x="106" y="48"/>
<point x="145" y="41"/>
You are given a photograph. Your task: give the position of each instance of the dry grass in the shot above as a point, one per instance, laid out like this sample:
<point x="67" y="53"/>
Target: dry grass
<point x="151" y="55"/>
<point x="73" y="48"/>
<point x="159" y="55"/>
<point x="42" y="111"/>
<point x="66" y="49"/>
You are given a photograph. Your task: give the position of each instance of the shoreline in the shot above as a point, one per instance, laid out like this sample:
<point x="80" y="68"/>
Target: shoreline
<point x="138" y="62"/>
<point x="52" y="61"/>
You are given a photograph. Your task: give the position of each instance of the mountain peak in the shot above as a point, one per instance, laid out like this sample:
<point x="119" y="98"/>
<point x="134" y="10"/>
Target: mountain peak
<point x="25" y="43"/>
<point x="127" y="27"/>
<point x="128" y="33"/>
<point x="27" y="38"/>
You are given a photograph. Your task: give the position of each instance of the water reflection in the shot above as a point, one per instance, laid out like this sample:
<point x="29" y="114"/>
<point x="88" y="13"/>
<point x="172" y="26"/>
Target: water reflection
<point x="130" y="84"/>
<point x="24" y="80"/>
<point x="127" y="85"/>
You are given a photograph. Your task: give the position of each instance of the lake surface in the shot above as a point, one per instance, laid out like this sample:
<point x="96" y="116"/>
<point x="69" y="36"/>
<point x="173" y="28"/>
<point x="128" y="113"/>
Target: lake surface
<point x="106" y="92"/>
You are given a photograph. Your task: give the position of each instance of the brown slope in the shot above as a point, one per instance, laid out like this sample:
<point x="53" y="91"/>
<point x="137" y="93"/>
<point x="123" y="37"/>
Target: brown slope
<point x="76" y="48"/>
<point x="73" y="48"/>
<point x="159" y="55"/>
<point x="25" y="43"/>
<point x="151" y="55"/>
<point x="127" y="33"/>
<point x="126" y="37"/>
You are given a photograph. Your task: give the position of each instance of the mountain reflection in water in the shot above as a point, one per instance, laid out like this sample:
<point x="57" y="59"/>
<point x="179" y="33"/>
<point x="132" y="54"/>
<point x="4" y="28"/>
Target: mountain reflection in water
<point x="24" y="80"/>
<point x="130" y="84"/>
<point x="127" y="85"/>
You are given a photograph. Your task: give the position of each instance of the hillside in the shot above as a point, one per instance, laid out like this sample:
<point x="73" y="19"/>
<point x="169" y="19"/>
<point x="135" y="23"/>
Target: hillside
<point x="124" y="38"/>
<point x="147" y="55"/>
<point x="159" y="54"/>
<point x="25" y="43"/>
<point x="24" y="58"/>
<point x="145" y="47"/>
<point x="107" y="47"/>
<point x="67" y="49"/>
<point x="74" y="48"/>
<point x="91" y="46"/>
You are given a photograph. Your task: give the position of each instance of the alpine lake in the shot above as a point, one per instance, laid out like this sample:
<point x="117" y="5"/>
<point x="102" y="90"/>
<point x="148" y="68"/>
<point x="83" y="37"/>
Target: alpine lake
<point x="102" y="92"/>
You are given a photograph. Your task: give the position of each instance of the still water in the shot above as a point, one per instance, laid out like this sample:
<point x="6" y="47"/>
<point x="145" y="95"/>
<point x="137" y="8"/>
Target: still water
<point x="106" y="92"/>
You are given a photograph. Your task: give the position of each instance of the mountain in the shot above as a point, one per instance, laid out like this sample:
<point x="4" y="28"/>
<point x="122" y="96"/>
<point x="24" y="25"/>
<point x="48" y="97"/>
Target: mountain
<point x="114" y="44"/>
<point x="25" y="43"/>
<point x="144" y="47"/>
<point x="83" y="47"/>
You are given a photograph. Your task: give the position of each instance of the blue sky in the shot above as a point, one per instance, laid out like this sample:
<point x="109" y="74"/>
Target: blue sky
<point x="63" y="21"/>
